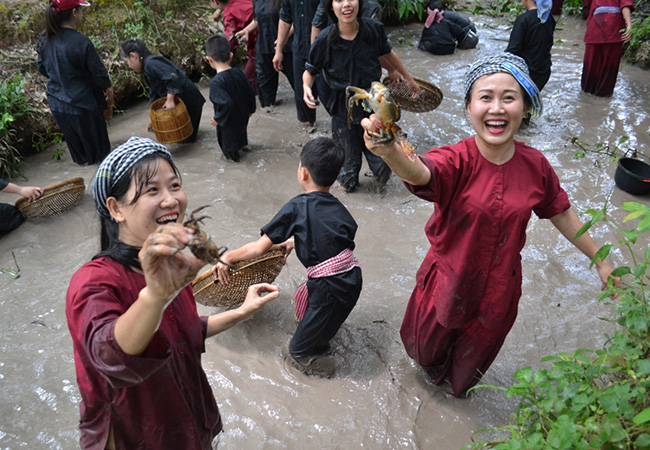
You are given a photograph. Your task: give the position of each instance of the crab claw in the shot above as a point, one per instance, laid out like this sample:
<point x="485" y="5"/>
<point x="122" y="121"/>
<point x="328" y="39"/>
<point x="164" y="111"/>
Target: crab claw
<point x="407" y="149"/>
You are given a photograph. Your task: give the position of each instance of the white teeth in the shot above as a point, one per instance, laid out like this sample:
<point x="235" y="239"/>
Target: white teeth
<point x="167" y="219"/>
<point x="496" y="123"/>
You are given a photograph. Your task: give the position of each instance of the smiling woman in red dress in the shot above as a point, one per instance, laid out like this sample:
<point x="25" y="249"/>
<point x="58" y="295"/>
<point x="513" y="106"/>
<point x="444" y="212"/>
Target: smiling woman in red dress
<point x="484" y="188"/>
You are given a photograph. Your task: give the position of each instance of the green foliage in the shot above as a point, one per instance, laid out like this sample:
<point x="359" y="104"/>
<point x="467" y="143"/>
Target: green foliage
<point x="496" y="8"/>
<point x="611" y="151"/>
<point x="572" y="7"/>
<point x="15" y="272"/>
<point x="593" y="399"/>
<point x="13" y="104"/>
<point x="640" y="34"/>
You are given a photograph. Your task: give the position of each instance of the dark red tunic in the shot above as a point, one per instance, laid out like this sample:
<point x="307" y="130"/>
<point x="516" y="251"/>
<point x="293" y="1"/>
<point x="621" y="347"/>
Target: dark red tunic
<point x="468" y="287"/>
<point x="604" y="47"/>
<point x="160" y="399"/>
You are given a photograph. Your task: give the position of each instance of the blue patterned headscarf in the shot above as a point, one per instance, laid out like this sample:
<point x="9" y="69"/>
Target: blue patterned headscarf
<point x="508" y="63"/>
<point x="118" y="163"/>
<point x="543" y="9"/>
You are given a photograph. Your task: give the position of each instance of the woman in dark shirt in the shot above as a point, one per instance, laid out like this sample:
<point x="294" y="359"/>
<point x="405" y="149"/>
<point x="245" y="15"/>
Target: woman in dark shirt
<point x="165" y="79"/>
<point x="79" y="88"/>
<point x="445" y="30"/>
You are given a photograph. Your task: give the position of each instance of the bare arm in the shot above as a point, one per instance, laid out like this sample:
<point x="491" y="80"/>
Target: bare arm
<point x="568" y="223"/>
<point x="31" y="192"/>
<point x="314" y="32"/>
<point x="284" y="29"/>
<point x="242" y="34"/>
<point x="247" y="251"/>
<point x="413" y="172"/>
<point x="391" y="62"/>
<point x="253" y="302"/>
<point x="627" y="17"/>
<point x="308" y="95"/>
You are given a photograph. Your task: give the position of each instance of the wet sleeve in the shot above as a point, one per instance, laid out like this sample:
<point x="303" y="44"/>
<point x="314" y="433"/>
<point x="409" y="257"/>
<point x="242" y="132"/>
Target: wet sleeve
<point x="221" y="101"/>
<point x="95" y="308"/>
<point x="385" y="46"/>
<point x="555" y="200"/>
<point x="166" y="73"/>
<point x="3" y="184"/>
<point x="281" y="227"/>
<point x="285" y="12"/>
<point x="39" y="62"/>
<point x="320" y="16"/>
<point x="317" y="53"/>
<point x="98" y="73"/>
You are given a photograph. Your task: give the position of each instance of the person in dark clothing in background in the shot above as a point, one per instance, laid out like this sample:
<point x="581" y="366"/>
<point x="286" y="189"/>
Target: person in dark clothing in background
<point x="233" y="98"/>
<point x="267" y="16"/>
<point x="165" y="79"/>
<point x="532" y="38"/>
<point x="79" y="89"/>
<point x="445" y="30"/>
<point x="10" y="217"/>
<point x="298" y="13"/>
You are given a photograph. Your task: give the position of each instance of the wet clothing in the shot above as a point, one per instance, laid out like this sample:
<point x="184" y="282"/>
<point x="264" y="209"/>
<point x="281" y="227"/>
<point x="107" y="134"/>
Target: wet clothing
<point x="236" y="16"/>
<point x="233" y="99"/>
<point x="342" y="63"/>
<point x="159" y="399"/>
<point x="164" y="77"/>
<point x="267" y="16"/>
<point x="532" y="40"/>
<point x="322" y="228"/>
<point x="469" y="284"/>
<point x="604" y="46"/>
<point x="300" y="13"/>
<point x="10" y="217"/>
<point x="441" y="38"/>
<point x="321" y="19"/>
<point x="77" y="80"/>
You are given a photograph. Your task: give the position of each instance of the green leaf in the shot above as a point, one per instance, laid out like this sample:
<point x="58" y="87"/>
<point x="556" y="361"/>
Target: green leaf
<point x="643" y="441"/>
<point x="620" y="271"/>
<point x="601" y="254"/>
<point x="642" y="417"/>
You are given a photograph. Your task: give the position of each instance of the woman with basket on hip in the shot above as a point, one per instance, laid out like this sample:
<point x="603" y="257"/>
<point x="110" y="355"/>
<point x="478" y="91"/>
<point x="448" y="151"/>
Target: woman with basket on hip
<point x="135" y="329"/>
<point x="78" y="88"/>
<point x="352" y="52"/>
<point x="165" y="80"/>
<point x="484" y="189"/>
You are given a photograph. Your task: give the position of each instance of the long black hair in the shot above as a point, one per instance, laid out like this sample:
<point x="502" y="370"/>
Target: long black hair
<point x="134" y="45"/>
<point x="334" y="37"/>
<point x="141" y="173"/>
<point x="54" y="20"/>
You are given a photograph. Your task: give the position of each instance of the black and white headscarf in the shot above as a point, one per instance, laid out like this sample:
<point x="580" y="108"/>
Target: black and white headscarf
<point x="508" y="63"/>
<point x="118" y="163"/>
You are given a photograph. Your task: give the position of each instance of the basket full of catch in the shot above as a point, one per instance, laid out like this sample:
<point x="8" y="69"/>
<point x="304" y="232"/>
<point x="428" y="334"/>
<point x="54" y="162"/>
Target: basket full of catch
<point x="170" y="125"/>
<point x="55" y="199"/>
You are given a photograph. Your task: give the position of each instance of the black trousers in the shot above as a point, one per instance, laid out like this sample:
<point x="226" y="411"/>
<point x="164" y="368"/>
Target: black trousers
<point x="10" y="218"/>
<point x="351" y="139"/>
<point x="267" y="77"/>
<point x="86" y="136"/>
<point x="305" y="113"/>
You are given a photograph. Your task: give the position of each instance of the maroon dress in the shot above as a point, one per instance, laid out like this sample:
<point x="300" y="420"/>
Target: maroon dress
<point x="160" y="399"/>
<point x="603" y="47"/>
<point x="468" y="287"/>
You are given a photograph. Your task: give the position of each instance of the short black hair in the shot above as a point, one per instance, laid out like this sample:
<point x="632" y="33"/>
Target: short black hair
<point x="436" y="4"/>
<point x="323" y="158"/>
<point x="217" y="47"/>
<point x="134" y="45"/>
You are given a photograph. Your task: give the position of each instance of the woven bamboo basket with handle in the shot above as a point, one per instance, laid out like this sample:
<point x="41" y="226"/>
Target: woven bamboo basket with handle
<point x="55" y="199"/>
<point x="429" y="99"/>
<point x="262" y="269"/>
<point x="171" y="125"/>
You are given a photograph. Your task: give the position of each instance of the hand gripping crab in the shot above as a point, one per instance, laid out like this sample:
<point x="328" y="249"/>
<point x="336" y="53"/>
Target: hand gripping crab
<point x="202" y="246"/>
<point x="388" y="112"/>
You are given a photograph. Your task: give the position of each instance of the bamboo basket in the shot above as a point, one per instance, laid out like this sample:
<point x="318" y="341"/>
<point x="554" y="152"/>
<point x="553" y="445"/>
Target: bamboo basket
<point x="263" y="269"/>
<point x="429" y="99"/>
<point x="55" y="199"/>
<point x="170" y="126"/>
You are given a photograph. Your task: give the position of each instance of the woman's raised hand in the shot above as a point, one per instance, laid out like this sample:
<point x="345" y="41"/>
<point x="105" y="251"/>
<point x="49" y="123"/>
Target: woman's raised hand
<point x="167" y="269"/>
<point x="371" y="126"/>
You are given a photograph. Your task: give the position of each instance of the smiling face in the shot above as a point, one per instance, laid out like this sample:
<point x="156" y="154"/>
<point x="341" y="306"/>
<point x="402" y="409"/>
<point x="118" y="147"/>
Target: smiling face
<point x="346" y="11"/>
<point x="496" y="108"/>
<point x="161" y="200"/>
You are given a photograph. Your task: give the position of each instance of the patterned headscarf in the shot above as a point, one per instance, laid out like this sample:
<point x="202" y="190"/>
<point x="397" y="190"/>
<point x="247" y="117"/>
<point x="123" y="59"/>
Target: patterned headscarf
<point x="543" y="9"/>
<point x="508" y="63"/>
<point x="118" y="163"/>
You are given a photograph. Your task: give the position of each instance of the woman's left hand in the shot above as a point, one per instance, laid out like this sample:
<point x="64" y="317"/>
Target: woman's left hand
<point x="167" y="269"/>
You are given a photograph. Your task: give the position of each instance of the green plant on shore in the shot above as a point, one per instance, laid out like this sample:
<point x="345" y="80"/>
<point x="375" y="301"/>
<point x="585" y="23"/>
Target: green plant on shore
<point x="601" y="148"/>
<point x="15" y="272"/>
<point x="14" y="103"/>
<point x="592" y="399"/>
<point x="496" y="8"/>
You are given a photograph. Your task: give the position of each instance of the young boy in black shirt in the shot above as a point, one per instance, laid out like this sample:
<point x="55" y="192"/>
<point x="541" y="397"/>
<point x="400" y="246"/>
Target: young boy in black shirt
<point x="233" y="98"/>
<point x="323" y="231"/>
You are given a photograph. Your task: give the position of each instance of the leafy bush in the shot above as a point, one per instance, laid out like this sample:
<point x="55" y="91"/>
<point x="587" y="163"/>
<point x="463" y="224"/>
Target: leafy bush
<point x="13" y="104"/>
<point x="592" y="399"/>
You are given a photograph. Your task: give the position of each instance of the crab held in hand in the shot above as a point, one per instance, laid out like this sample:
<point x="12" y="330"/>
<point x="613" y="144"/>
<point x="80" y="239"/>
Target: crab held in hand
<point x="201" y="245"/>
<point x="387" y="110"/>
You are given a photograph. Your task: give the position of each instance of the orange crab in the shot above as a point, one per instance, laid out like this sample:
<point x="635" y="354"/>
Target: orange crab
<point x="387" y="110"/>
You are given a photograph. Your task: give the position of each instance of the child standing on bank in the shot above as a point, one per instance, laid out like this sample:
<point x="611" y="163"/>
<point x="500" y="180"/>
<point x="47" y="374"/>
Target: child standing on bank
<point x="233" y="98"/>
<point x="323" y="231"/>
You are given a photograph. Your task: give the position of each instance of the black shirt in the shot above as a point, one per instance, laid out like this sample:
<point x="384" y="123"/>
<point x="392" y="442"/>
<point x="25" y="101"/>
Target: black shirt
<point x="321" y="18"/>
<point x="344" y="63"/>
<point x="267" y="15"/>
<point x="532" y="40"/>
<point x="77" y="76"/>
<point x="321" y="225"/>
<point x="451" y="29"/>
<point x="299" y="13"/>
<point x="164" y="77"/>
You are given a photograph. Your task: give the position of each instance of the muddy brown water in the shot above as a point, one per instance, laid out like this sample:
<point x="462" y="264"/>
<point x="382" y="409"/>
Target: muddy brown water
<point x="378" y="399"/>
